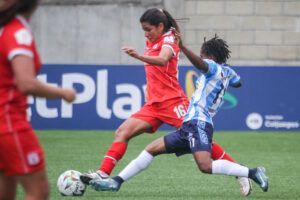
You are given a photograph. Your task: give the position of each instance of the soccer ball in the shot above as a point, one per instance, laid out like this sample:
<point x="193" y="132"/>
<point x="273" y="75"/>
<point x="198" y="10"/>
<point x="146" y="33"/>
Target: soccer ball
<point x="69" y="183"/>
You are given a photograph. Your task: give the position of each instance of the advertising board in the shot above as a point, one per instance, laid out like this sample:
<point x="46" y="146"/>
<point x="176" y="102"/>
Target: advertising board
<point x="108" y="94"/>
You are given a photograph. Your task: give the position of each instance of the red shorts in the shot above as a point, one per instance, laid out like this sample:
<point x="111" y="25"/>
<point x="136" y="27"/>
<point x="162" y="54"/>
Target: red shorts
<point x="20" y="153"/>
<point x="170" y="112"/>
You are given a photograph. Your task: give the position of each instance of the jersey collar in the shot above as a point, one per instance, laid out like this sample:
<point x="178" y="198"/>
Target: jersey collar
<point x="159" y="39"/>
<point x="23" y="21"/>
<point x="167" y="33"/>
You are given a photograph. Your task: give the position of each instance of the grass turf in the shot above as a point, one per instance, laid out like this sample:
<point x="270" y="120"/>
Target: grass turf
<point x="169" y="177"/>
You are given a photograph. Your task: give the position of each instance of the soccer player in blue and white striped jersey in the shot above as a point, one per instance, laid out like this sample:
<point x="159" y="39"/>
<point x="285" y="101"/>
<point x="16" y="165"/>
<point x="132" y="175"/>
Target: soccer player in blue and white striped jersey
<point x="196" y="133"/>
<point x="211" y="86"/>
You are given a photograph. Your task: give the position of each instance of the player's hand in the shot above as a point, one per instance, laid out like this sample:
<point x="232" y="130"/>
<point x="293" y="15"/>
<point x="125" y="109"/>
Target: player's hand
<point x="131" y="51"/>
<point x="69" y="95"/>
<point x="177" y="35"/>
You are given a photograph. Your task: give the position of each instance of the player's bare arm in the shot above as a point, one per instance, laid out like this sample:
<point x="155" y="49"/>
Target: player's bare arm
<point x="195" y="59"/>
<point x="161" y="60"/>
<point x="27" y="83"/>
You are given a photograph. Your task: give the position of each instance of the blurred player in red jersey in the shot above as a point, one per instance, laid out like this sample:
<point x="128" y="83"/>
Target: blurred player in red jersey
<point x="21" y="156"/>
<point x="166" y="101"/>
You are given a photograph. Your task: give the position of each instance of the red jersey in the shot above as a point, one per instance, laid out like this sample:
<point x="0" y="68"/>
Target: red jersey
<point x="15" y="39"/>
<point x="162" y="81"/>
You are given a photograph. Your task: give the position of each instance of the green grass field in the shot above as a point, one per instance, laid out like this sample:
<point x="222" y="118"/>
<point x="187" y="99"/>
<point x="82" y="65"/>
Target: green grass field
<point x="170" y="177"/>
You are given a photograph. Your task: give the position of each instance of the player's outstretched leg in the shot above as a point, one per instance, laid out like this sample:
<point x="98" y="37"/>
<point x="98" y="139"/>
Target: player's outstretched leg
<point x="108" y="184"/>
<point x="113" y="155"/>
<point x="258" y="176"/>
<point x="218" y="153"/>
<point x="132" y="169"/>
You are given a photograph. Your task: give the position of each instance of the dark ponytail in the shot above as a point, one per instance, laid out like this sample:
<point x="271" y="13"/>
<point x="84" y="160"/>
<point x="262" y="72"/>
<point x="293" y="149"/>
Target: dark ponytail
<point x="155" y="16"/>
<point x="172" y="22"/>
<point x="21" y="6"/>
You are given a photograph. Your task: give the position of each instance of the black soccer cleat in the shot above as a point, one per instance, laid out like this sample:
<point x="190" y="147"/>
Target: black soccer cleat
<point x="261" y="179"/>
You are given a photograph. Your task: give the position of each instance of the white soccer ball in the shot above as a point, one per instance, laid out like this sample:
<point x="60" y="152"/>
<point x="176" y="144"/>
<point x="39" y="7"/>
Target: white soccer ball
<point x="69" y="183"/>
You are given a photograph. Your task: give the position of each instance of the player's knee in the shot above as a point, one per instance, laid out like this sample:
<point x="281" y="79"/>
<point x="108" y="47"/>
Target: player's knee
<point x="121" y="136"/>
<point x="205" y="167"/>
<point x="152" y="150"/>
<point x="156" y="147"/>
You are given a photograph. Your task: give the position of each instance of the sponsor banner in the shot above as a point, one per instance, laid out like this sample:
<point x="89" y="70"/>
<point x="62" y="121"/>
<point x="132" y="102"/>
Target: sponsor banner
<point x="109" y="94"/>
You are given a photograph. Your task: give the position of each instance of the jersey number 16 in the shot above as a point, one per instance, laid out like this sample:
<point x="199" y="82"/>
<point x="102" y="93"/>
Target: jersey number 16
<point x="179" y="110"/>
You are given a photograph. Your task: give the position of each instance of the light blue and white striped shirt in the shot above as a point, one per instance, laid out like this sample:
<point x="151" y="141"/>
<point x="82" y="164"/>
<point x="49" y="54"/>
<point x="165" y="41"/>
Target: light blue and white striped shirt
<point x="211" y="86"/>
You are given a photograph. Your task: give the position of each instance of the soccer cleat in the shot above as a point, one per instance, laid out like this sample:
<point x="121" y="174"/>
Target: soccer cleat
<point x="107" y="184"/>
<point x="98" y="175"/>
<point x="261" y="179"/>
<point x="245" y="185"/>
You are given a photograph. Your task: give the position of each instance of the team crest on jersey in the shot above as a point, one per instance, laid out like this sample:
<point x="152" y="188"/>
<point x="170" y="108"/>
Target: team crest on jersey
<point x="23" y="37"/>
<point x="155" y="46"/>
<point x="33" y="158"/>
<point x="169" y="39"/>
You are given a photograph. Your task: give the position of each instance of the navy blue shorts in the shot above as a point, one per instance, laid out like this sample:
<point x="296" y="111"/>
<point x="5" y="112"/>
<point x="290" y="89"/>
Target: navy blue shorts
<point x="193" y="136"/>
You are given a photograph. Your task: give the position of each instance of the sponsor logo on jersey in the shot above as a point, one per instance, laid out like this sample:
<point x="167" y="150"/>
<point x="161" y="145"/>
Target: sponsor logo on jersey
<point x="169" y="39"/>
<point x="23" y="37"/>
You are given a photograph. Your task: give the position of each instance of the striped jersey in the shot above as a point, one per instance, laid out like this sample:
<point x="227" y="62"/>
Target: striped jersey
<point x="210" y="90"/>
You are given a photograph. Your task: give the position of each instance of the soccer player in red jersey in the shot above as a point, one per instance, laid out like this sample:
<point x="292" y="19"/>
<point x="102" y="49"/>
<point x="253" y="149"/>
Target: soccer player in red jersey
<point x="21" y="155"/>
<point x="166" y="101"/>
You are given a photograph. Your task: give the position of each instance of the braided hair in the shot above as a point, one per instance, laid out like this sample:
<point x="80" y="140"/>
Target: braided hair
<point x="216" y="47"/>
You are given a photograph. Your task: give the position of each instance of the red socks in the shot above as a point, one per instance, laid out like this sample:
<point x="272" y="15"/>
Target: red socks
<point x="113" y="155"/>
<point x="218" y="153"/>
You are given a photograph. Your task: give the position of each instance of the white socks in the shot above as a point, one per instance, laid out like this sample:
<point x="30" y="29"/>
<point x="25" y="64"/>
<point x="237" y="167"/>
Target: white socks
<point x="226" y="167"/>
<point x="223" y="167"/>
<point x="136" y="166"/>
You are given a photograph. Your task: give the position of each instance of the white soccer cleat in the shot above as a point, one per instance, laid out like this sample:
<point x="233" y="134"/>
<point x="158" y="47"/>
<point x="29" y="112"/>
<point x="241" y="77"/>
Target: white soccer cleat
<point x="98" y="175"/>
<point x="245" y="185"/>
